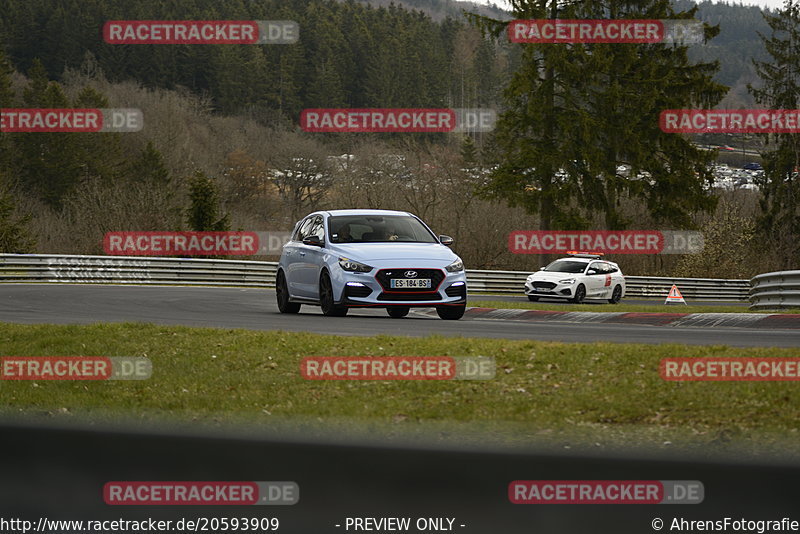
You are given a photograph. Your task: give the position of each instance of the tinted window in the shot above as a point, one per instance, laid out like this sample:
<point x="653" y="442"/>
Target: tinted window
<point x="378" y="229"/>
<point x="566" y="266"/>
<point x="317" y="228"/>
<point x="303" y="230"/>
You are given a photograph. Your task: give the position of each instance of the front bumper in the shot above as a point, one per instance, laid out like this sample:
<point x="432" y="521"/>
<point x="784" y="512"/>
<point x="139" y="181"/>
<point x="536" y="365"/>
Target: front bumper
<point x="543" y="288"/>
<point x="372" y="289"/>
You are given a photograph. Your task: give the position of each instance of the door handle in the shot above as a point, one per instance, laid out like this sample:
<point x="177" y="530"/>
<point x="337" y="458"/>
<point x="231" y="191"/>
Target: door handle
<point x="302" y="253"/>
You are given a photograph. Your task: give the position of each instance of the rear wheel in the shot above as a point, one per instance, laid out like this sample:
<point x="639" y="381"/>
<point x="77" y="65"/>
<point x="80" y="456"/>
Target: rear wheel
<point x="451" y="313"/>
<point x="580" y="294"/>
<point x="326" y="302"/>
<point x="616" y="295"/>
<point x="532" y="298"/>
<point x="398" y="312"/>
<point x="282" y="295"/>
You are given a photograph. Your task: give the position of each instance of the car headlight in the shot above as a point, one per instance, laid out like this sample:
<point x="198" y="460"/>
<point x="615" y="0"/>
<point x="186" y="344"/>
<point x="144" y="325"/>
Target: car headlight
<point x="455" y="267"/>
<point x="353" y="266"/>
<point x="567" y="281"/>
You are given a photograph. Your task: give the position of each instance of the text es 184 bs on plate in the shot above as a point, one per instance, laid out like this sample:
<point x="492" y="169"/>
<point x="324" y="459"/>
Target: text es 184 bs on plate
<point x="414" y="283"/>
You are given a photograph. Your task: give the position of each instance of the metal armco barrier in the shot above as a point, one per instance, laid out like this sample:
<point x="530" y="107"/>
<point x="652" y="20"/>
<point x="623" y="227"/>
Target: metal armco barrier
<point x="774" y="291"/>
<point x="355" y="479"/>
<point x="182" y="271"/>
<point x="637" y="286"/>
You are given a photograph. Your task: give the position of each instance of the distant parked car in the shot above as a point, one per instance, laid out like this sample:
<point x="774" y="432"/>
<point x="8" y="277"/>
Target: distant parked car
<point x="753" y="166"/>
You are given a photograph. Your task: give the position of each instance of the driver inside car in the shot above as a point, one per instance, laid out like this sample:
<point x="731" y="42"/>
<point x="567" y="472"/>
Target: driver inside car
<point x="344" y="235"/>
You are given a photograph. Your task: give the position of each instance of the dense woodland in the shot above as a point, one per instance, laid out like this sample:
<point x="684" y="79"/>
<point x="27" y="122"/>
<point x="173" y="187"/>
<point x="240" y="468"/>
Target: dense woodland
<point x="221" y="121"/>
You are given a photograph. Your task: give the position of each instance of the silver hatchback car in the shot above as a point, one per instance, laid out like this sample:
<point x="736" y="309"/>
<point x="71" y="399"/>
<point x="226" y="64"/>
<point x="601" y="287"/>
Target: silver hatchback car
<point x="343" y="259"/>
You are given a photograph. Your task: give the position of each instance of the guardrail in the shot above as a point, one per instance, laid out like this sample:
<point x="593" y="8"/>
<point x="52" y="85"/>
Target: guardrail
<point x="774" y="291"/>
<point x="241" y="273"/>
<point x="636" y="286"/>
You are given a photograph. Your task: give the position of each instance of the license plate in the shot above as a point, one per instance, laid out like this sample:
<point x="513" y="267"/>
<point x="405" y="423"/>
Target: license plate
<point x="539" y="289"/>
<point x="416" y="283"/>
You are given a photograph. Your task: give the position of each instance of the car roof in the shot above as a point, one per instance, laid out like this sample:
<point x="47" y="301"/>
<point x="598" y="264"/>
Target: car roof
<point x="581" y="260"/>
<point x="336" y="213"/>
<point x="586" y="260"/>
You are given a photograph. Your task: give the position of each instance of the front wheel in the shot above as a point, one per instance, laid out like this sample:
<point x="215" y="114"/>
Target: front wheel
<point x="451" y="313"/>
<point x="616" y="296"/>
<point x="326" y="302"/>
<point x="580" y="294"/>
<point x="282" y="295"/>
<point x="398" y="312"/>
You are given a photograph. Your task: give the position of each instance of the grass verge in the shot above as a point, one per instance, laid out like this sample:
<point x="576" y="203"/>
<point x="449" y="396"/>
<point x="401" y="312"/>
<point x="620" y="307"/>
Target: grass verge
<point x="597" y="395"/>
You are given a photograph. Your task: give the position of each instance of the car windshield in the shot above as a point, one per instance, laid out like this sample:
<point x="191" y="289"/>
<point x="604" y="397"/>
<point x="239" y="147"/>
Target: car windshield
<point x="378" y="229"/>
<point x="566" y="266"/>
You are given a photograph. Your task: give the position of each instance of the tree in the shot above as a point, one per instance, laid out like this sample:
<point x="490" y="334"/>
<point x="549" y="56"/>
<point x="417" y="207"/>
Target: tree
<point x="576" y="112"/>
<point x="204" y="213"/>
<point x="779" y="223"/>
<point x="14" y="236"/>
<point x="149" y="167"/>
<point x="301" y="173"/>
<point x="633" y="84"/>
<point x="49" y="165"/>
<point x="6" y="101"/>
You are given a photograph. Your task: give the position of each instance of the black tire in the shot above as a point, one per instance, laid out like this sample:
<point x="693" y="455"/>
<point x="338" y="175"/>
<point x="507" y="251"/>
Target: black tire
<point x="451" y="313"/>
<point x="533" y="299"/>
<point x="398" y="312"/>
<point x="580" y="294"/>
<point x="326" y="302"/>
<point x="282" y="295"/>
<point x="616" y="295"/>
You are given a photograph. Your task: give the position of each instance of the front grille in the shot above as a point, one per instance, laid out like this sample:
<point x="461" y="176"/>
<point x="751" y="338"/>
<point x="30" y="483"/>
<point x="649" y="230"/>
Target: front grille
<point x="408" y="297"/>
<point x="357" y="291"/>
<point x="385" y="275"/>
<point x="544" y="285"/>
<point x="457" y="291"/>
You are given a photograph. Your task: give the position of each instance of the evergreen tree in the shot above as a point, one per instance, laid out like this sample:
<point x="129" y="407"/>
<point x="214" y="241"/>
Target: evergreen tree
<point x="14" y="236"/>
<point x="149" y="167"/>
<point x="575" y="112"/>
<point x="779" y="224"/>
<point x="203" y="214"/>
<point x="48" y="165"/>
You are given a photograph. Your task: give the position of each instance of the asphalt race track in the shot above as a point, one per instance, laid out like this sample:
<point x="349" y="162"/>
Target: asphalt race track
<point x="256" y="309"/>
<point x="602" y="304"/>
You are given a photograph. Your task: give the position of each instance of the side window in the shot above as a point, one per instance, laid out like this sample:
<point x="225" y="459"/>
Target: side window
<point x="317" y="228"/>
<point x="611" y="269"/>
<point x="303" y="229"/>
<point x="597" y="266"/>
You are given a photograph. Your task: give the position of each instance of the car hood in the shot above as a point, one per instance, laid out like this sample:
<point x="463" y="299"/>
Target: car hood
<point x="552" y="276"/>
<point x="372" y="252"/>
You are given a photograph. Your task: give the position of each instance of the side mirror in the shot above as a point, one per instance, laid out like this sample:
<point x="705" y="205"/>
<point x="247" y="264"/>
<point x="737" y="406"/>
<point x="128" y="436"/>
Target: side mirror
<point x="542" y="268"/>
<point x="446" y="240"/>
<point x="313" y="241"/>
